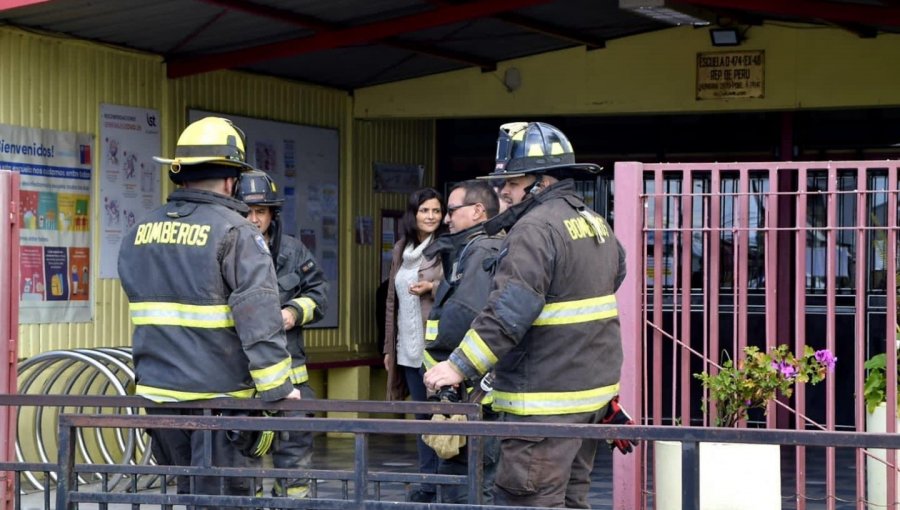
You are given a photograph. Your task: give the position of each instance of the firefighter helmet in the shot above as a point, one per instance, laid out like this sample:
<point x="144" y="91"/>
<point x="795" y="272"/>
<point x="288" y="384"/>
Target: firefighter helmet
<point x="535" y="148"/>
<point x="257" y="188"/>
<point x="208" y="148"/>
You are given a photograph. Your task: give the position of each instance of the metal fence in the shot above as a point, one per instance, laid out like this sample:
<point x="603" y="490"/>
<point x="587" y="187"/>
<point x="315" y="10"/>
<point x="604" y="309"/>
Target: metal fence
<point x="362" y="485"/>
<point x="727" y="255"/>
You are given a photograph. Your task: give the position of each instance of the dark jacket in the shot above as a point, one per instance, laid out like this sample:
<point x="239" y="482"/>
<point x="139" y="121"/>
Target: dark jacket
<point x="203" y="300"/>
<point x="550" y="330"/>
<point x="463" y="293"/>
<point x="302" y="287"/>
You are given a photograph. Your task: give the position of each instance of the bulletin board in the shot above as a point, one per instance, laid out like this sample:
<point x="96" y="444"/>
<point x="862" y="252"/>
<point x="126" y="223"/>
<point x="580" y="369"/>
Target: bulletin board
<point x="304" y="162"/>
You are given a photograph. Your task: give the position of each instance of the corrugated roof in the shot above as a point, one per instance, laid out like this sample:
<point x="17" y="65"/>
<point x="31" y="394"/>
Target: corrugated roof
<point x="355" y="43"/>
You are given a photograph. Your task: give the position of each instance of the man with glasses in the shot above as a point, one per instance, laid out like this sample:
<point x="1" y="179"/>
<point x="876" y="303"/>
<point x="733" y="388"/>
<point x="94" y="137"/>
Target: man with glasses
<point x="465" y="253"/>
<point x="463" y="293"/>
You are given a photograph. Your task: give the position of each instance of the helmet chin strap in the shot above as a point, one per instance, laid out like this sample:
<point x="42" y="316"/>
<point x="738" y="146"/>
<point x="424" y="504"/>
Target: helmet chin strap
<point x="537" y="186"/>
<point x="236" y="185"/>
<point x="275" y="233"/>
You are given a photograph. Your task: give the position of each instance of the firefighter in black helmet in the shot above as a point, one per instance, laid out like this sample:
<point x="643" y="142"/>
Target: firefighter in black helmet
<point x="204" y="301"/>
<point x="550" y="329"/>
<point x="303" y="291"/>
<point x="527" y="150"/>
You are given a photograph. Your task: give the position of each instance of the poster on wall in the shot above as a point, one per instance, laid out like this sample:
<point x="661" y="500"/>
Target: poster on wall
<point x="54" y="280"/>
<point x="129" y="178"/>
<point x="304" y="163"/>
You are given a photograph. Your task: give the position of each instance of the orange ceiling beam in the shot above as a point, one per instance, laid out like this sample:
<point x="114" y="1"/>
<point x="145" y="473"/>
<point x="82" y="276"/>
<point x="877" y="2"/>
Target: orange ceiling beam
<point x="6" y="5"/>
<point x="324" y="40"/>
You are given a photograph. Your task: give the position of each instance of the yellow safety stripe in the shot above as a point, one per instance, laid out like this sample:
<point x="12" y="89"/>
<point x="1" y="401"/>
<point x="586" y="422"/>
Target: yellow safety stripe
<point x="428" y="360"/>
<point x="477" y="352"/>
<point x="271" y="376"/>
<point x="431" y="330"/>
<point x="308" y="306"/>
<point x="178" y="314"/>
<point x="164" y="395"/>
<point x="299" y="375"/>
<point x="574" y="312"/>
<point x="561" y="402"/>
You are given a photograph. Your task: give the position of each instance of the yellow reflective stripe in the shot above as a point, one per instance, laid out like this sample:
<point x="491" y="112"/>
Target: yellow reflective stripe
<point x="428" y="360"/>
<point x="164" y="395"/>
<point x="477" y="352"/>
<point x="431" y="330"/>
<point x="299" y="375"/>
<point x="271" y="376"/>
<point x="573" y="312"/>
<point x="308" y="306"/>
<point x="561" y="402"/>
<point x="178" y="314"/>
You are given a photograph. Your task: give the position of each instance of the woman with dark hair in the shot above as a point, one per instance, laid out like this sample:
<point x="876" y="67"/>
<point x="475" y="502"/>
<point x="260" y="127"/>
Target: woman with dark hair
<point x="411" y="288"/>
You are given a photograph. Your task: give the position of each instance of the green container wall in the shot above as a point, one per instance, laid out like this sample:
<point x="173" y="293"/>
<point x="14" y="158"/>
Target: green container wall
<point x="396" y="141"/>
<point x="59" y="83"/>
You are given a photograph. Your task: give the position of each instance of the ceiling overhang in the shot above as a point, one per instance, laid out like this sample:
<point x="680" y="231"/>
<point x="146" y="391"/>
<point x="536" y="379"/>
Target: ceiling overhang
<point x="441" y="14"/>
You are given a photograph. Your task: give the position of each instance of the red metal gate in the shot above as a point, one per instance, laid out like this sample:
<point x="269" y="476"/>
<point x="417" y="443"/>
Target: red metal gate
<point x="9" y="321"/>
<point x="725" y="255"/>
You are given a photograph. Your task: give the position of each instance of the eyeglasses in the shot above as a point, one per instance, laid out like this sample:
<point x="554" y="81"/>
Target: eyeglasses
<point x="453" y="209"/>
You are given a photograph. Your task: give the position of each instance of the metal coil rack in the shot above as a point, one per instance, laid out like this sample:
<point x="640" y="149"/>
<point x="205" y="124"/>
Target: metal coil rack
<point x="89" y="372"/>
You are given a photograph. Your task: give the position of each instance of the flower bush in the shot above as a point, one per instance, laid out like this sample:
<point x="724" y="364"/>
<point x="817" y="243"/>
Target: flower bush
<point x="875" y="387"/>
<point x="760" y="377"/>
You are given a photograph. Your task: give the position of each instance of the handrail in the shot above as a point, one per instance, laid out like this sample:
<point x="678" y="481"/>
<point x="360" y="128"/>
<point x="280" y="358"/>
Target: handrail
<point x="317" y="405"/>
<point x="68" y="493"/>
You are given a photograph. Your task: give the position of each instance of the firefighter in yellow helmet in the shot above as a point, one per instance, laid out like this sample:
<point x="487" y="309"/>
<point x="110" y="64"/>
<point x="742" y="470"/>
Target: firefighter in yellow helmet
<point x="550" y="329"/>
<point x="204" y="301"/>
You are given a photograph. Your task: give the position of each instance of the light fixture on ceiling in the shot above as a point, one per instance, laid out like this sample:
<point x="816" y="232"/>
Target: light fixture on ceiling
<point x="512" y="78"/>
<point x="663" y="11"/>
<point x="725" y="36"/>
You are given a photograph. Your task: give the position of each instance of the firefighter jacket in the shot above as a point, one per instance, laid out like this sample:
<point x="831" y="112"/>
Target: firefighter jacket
<point x="202" y="295"/>
<point x="550" y="330"/>
<point x="467" y="258"/>
<point x="303" y="288"/>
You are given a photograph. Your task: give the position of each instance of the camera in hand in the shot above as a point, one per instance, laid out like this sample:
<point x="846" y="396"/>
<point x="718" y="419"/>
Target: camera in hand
<point x="447" y="394"/>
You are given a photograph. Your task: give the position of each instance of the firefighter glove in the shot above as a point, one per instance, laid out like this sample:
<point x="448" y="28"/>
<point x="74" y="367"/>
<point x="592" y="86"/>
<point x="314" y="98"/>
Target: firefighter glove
<point x="616" y="415"/>
<point x="445" y="446"/>
<point x="252" y="443"/>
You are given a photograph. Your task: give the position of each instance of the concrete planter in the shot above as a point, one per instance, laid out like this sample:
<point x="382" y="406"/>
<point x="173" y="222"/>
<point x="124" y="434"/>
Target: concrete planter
<point x="733" y="476"/>
<point x="876" y="470"/>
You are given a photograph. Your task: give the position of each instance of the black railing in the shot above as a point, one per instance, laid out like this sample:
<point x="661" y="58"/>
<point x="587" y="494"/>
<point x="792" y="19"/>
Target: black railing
<point x="356" y="482"/>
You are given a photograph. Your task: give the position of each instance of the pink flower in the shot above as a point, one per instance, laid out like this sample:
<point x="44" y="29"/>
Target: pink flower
<point x="826" y="358"/>
<point x="787" y="370"/>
